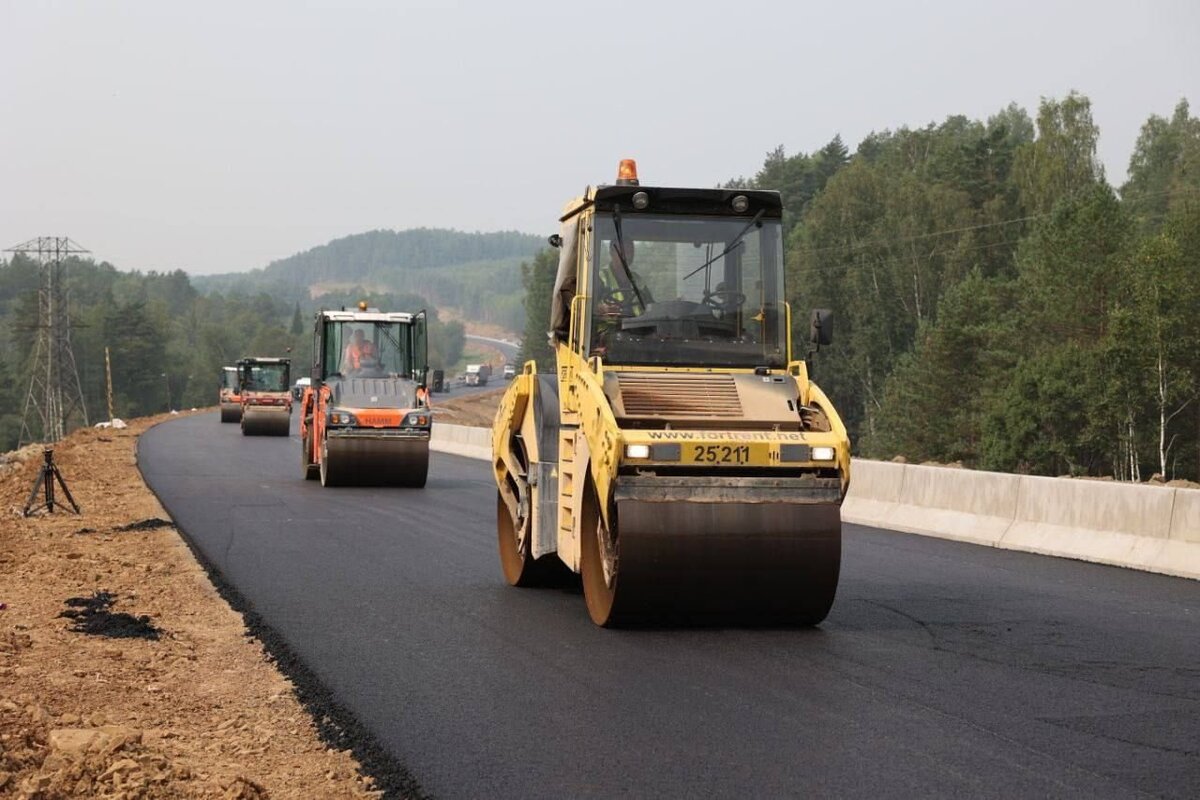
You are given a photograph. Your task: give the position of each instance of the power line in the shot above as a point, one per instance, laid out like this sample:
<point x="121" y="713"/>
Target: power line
<point x="55" y="394"/>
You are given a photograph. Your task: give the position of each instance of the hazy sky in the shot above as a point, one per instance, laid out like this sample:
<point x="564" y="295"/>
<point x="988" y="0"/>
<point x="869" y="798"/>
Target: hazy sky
<point x="215" y="136"/>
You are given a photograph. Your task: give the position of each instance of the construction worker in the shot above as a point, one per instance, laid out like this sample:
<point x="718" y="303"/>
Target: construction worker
<point x="356" y="352"/>
<point x="617" y="296"/>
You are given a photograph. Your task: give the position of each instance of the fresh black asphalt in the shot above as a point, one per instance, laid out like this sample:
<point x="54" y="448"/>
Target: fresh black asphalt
<point x="944" y="670"/>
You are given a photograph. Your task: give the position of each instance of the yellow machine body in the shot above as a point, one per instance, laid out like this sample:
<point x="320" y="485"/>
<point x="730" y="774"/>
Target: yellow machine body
<point x="685" y="487"/>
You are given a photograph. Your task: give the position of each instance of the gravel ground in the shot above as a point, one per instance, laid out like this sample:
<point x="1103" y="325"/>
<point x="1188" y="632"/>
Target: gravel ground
<point x="474" y="409"/>
<point x="123" y="674"/>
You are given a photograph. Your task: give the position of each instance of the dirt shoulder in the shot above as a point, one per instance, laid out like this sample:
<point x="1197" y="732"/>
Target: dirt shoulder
<point x="474" y="409"/>
<point x="168" y="695"/>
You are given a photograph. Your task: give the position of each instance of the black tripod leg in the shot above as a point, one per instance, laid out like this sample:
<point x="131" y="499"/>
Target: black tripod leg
<point x="36" y="485"/>
<point x="66" y="491"/>
<point x="50" y="487"/>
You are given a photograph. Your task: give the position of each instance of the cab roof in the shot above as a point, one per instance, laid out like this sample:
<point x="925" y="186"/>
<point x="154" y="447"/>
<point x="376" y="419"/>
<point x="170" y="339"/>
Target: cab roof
<point x="669" y="200"/>
<point x="366" y="316"/>
<point x="257" y="360"/>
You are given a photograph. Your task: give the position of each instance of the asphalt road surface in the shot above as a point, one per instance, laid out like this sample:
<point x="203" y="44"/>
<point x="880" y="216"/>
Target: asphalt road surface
<point x="944" y="670"/>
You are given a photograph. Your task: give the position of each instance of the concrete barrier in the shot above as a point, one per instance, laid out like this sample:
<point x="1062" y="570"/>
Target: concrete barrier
<point x="956" y="503"/>
<point x="875" y="488"/>
<point x="462" y="440"/>
<point x="1103" y="521"/>
<point x="1152" y="528"/>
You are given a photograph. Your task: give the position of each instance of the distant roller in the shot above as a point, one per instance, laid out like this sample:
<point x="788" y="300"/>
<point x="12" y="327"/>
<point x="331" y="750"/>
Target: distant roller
<point x="365" y="418"/>
<point x="265" y="388"/>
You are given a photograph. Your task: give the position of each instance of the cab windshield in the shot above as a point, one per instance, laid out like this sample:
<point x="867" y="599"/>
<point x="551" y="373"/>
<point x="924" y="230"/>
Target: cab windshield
<point x="367" y="350"/>
<point x="229" y="379"/>
<point x="689" y="291"/>
<point x="265" y="378"/>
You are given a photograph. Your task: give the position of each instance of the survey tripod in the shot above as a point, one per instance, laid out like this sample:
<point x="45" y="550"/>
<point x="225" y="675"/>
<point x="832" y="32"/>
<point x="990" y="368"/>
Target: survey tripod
<point x="47" y="477"/>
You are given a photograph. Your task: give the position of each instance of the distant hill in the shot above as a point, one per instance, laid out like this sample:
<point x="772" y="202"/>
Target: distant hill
<point x="478" y="273"/>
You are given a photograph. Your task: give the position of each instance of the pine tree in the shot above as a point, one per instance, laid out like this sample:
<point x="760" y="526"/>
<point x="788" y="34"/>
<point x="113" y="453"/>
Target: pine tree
<point x="297" y="327"/>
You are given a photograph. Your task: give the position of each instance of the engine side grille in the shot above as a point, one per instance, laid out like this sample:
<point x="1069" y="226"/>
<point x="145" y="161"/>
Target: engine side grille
<point x="679" y="395"/>
<point x="379" y="417"/>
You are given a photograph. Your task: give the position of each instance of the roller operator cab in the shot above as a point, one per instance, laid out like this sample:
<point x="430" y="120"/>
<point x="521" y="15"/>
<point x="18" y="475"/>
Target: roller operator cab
<point x="679" y="457"/>
<point x="264" y="385"/>
<point x="229" y="396"/>
<point x="365" y="418"/>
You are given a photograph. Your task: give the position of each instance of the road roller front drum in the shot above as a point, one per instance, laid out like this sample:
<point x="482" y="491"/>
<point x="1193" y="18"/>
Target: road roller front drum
<point x="257" y="422"/>
<point x="231" y="412"/>
<point x="738" y="562"/>
<point x="374" y="461"/>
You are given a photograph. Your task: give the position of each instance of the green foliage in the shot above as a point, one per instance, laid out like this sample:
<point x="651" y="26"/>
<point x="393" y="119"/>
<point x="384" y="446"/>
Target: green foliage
<point x="476" y="273"/>
<point x="137" y="343"/>
<point x="537" y="279"/>
<point x="936" y="398"/>
<point x="997" y="303"/>
<point x="166" y="341"/>
<point x="1045" y="419"/>
<point x="1164" y="170"/>
<point x="1062" y="160"/>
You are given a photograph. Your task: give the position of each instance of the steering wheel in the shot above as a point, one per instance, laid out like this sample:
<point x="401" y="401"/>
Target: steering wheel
<point x="724" y="299"/>
<point x="617" y="297"/>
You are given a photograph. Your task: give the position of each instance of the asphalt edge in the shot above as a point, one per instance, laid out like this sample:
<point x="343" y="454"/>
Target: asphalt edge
<point x="337" y="726"/>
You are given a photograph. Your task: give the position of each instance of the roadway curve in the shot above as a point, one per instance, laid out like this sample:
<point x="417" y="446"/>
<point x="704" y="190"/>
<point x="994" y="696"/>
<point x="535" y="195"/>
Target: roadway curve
<point x="508" y="349"/>
<point x="945" y="669"/>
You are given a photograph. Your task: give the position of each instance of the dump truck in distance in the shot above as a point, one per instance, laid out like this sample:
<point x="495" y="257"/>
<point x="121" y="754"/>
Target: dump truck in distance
<point x="228" y="397"/>
<point x="365" y="418"/>
<point x="265" y="387"/>
<point x="676" y="454"/>
<point x="478" y="374"/>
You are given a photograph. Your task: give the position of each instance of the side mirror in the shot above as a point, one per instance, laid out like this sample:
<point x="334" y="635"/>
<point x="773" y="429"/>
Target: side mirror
<point x="820" y="327"/>
<point x="555" y="240"/>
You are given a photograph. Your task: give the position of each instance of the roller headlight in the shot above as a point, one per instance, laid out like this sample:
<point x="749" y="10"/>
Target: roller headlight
<point x="823" y="454"/>
<point x="339" y="417"/>
<point x="417" y="420"/>
<point x="637" y="451"/>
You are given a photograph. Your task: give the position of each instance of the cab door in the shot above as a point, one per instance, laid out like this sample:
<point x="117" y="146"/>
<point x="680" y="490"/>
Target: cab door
<point x="420" y="348"/>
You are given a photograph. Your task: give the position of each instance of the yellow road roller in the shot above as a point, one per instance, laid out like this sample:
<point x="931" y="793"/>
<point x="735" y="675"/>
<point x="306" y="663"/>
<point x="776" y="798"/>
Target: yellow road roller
<point x="365" y="418"/>
<point x="677" y="456"/>
<point x="264" y="385"/>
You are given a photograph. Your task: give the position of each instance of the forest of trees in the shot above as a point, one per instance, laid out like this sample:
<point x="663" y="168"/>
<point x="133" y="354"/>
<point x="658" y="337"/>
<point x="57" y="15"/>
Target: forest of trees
<point x="998" y="302"/>
<point x="167" y="340"/>
<point x="476" y="273"/>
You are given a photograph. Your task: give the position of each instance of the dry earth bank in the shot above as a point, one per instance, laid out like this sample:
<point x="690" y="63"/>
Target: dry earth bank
<point x="168" y="695"/>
